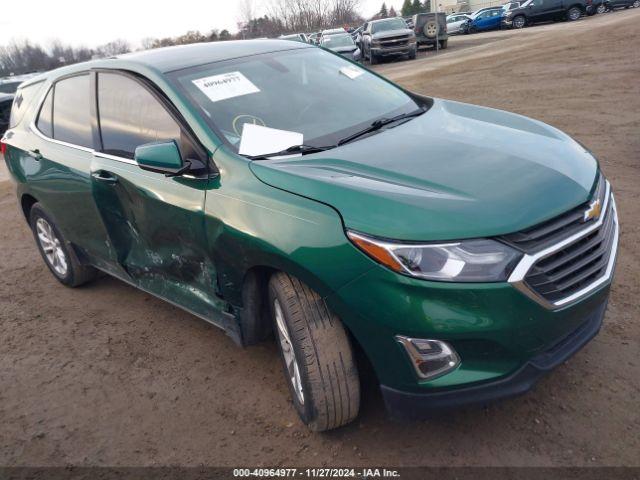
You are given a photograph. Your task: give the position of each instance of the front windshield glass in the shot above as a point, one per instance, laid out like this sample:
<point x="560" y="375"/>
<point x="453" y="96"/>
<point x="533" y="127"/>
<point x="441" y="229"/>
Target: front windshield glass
<point x="338" y="41"/>
<point x="306" y="90"/>
<point x="390" y="24"/>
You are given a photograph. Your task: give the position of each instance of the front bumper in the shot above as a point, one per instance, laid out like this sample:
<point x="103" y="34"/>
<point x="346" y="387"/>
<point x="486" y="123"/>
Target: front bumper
<point x="389" y="51"/>
<point x="417" y="405"/>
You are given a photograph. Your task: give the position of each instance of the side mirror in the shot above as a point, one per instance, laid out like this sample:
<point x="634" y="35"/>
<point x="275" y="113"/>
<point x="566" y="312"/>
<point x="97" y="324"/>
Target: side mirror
<point x="161" y="157"/>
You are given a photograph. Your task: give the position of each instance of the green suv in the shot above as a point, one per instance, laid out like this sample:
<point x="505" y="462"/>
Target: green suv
<point x="275" y="188"/>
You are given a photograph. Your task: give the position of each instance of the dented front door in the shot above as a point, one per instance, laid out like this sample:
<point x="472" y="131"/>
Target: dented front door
<point x="155" y="225"/>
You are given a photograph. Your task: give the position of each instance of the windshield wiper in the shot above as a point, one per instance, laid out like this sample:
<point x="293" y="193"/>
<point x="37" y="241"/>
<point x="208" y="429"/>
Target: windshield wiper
<point x="302" y="149"/>
<point x="381" y="122"/>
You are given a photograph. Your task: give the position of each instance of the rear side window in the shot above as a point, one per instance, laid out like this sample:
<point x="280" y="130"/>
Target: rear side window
<point x="24" y="97"/>
<point x="131" y="116"/>
<point x="71" y="111"/>
<point x="45" y="117"/>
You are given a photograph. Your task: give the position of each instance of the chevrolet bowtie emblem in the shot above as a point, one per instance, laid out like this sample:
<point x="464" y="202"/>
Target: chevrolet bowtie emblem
<point x="593" y="212"/>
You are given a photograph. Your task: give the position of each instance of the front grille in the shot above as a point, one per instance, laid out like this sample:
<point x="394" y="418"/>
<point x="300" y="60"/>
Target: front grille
<point x="397" y="41"/>
<point x="549" y="233"/>
<point x="577" y="265"/>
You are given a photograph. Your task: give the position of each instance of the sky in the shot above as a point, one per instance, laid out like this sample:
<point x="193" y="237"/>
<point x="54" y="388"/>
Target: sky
<point x="83" y="23"/>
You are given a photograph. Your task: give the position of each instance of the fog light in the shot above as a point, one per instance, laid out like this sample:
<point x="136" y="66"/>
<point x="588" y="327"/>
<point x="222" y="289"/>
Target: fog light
<point x="430" y="358"/>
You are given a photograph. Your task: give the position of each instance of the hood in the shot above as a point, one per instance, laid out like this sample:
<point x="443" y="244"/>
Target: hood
<point x="347" y="49"/>
<point x="457" y="171"/>
<point x="391" y="33"/>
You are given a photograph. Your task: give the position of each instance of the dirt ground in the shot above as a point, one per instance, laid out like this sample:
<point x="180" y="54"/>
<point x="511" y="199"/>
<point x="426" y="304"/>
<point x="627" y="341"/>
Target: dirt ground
<point x="107" y="375"/>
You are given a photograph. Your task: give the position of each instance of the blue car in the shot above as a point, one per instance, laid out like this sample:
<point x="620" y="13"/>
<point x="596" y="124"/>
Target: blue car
<point x="485" y="19"/>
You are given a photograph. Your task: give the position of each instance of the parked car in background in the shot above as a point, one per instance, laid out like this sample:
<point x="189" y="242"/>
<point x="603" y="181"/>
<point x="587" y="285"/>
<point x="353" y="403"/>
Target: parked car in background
<point x="464" y="251"/>
<point x="296" y="37"/>
<point x="613" y="4"/>
<point x="6" y="99"/>
<point x="455" y="21"/>
<point x="431" y="29"/>
<point x="342" y="44"/>
<point x="534" y="11"/>
<point x="10" y="84"/>
<point x="331" y="31"/>
<point x="486" y="19"/>
<point x="388" y="37"/>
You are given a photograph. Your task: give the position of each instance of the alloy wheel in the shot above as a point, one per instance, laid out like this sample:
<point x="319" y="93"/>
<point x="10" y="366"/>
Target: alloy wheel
<point x="636" y="4"/>
<point x="574" y="14"/>
<point x="289" y="354"/>
<point x="518" y="22"/>
<point x="51" y="246"/>
<point x="601" y="8"/>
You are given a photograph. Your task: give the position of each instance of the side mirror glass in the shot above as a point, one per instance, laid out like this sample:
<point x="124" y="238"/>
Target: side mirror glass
<point x="161" y="157"/>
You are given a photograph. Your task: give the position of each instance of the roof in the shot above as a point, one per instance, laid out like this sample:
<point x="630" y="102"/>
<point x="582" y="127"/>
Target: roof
<point x="182" y="56"/>
<point x="168" y="59"/>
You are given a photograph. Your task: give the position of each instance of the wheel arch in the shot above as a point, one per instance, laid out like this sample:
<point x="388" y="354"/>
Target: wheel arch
<point x="27" y="201"/>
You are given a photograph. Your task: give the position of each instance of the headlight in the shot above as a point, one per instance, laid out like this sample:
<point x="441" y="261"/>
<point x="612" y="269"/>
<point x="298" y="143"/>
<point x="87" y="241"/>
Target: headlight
<point x="476" y="260"/>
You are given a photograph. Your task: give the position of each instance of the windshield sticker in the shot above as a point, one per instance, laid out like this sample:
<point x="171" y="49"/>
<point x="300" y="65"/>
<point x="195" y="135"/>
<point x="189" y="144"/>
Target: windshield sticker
<point x="224" y="86"/>
<point x="351" y="72"/>
<point x="259" y="140"/>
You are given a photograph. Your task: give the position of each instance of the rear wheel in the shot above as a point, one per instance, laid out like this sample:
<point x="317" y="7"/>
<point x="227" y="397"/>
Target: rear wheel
<point x="636" y="4"/>
<point x="519" y="22"/>
<point x="573" y="14"/>
<point x="56" y="252"/>
<point x="602" y="8"/>
<point x="318" y="359"/>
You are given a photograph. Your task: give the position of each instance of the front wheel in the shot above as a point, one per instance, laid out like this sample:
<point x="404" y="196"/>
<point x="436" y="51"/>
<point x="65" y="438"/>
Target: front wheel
<point x="316" y="353"/>
<point x="636" y="4"/>
<point x="519" y="22"/>
<point x="602" y="8"/>
<point x="573" y="14"/>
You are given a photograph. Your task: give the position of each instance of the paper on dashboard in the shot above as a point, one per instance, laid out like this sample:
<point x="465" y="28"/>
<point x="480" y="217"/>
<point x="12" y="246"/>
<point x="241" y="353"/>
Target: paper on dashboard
<point x="259" y="140"/>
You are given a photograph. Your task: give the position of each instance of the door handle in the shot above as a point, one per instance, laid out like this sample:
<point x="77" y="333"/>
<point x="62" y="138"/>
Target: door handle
<point x="105" y="177"/>
<point x="35" y="154"/>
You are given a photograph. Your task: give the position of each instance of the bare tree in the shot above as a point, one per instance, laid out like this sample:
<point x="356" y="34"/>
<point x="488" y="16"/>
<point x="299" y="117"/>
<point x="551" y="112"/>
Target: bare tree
<point x="113" y="48"/>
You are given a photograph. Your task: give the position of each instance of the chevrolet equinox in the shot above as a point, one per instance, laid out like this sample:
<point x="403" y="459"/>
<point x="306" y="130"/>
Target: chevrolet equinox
<point x="276" y="188"/>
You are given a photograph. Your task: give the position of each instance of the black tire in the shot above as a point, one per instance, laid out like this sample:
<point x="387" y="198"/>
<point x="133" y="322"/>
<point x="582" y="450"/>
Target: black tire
<point x="412" y="54"/>
<point x="443" y="44"/>
<point x="328" y="377"/>
<point x="74" y="274"/>
<point x="372" y="58"/>
<point x="519" y="21"/>
<point x="573" y="14"/>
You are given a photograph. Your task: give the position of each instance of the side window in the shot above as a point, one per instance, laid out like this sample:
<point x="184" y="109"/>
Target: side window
<point x="131" y="116"/>
<point x="71" y="111"/>
<point x="21" y="102"/>
<point x="45" y="117"/>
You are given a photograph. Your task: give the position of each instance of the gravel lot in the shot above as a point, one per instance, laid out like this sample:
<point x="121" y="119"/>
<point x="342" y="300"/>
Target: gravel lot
<point x="107" y="375"/>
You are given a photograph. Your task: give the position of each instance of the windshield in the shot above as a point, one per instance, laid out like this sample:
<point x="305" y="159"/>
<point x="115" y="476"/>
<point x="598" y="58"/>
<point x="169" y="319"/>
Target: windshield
<point x="386" y="25"/>
<point x="335" y="41"/>
<point x="307" y="90"/>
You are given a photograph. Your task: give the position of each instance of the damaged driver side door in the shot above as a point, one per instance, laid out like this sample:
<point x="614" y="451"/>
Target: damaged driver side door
<point x="155" y="223"/>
